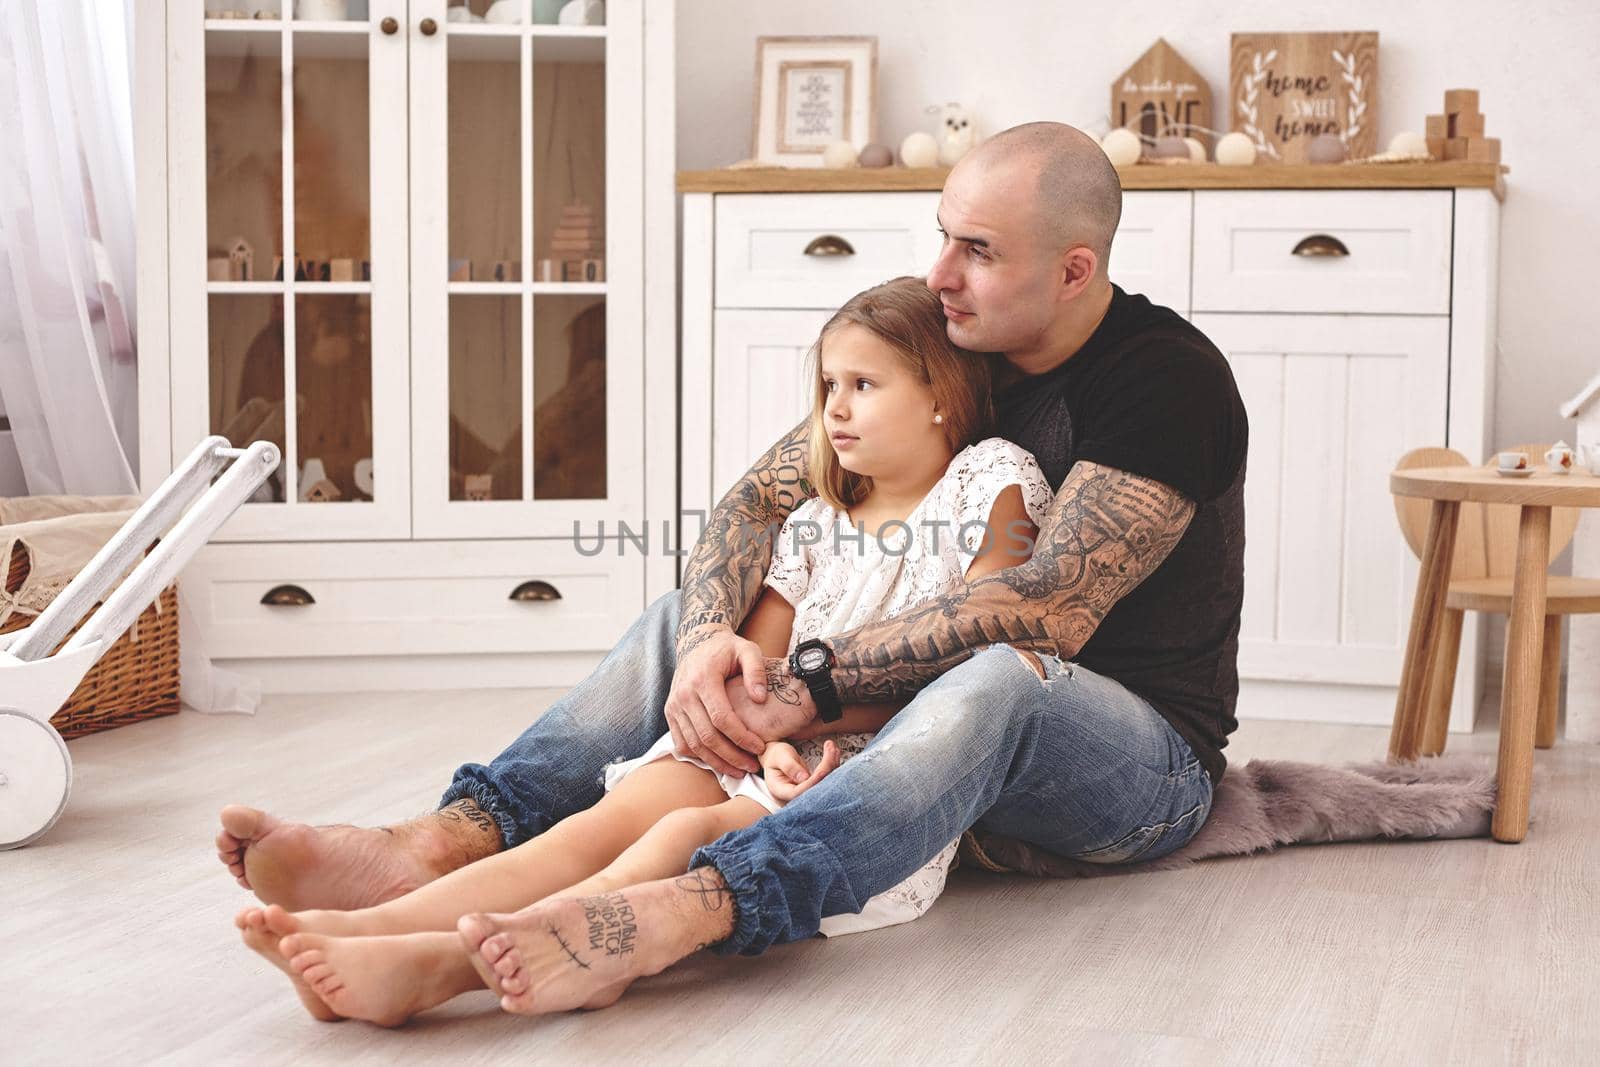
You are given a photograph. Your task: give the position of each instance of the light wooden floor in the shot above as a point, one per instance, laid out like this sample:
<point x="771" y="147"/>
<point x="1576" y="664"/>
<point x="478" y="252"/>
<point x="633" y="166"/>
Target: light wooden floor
<point x="118" y="945"/>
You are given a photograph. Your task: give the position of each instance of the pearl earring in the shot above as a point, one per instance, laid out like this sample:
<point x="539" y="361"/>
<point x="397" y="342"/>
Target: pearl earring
<point x="938" y="419"/>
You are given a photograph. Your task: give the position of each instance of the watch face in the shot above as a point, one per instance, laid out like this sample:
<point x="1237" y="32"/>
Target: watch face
<point x="812" y="659"/>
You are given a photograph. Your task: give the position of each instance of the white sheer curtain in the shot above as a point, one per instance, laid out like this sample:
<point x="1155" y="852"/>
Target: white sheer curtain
<point x="67" y="312"/>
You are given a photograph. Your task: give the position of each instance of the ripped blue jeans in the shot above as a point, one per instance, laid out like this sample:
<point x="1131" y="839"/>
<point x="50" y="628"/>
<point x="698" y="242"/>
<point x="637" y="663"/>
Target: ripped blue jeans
<point x="1069" y="760"/>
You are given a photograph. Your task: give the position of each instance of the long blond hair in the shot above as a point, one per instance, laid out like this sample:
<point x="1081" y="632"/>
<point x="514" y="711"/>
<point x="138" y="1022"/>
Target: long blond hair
<point x="908" y="316"/>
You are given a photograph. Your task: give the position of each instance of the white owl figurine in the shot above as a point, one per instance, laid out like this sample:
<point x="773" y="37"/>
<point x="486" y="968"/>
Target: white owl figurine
<point x="957" y="133"/>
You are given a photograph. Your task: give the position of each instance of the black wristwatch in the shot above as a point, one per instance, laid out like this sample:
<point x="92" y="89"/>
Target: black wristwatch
<point x="812" y="663"/>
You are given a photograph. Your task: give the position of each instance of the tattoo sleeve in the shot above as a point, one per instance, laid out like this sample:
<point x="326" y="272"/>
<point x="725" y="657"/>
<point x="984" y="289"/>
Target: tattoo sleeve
<point x="1105" y="532"/>
<point x="722" y="576"/>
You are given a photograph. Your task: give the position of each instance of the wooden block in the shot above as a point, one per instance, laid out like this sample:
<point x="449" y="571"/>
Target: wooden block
<point x="218" y="268"/>
<point x="277" y="272"/>
<point x="341" y="270"/>
<point x="1455" y="148"/>
<point x="547" y="270"/>
<point x="479" y="486"/>
<point x="571" y="246"/>
<point x="594" y="270"/>
<point x="1438" y="126"/>
<point x="572" y="270"/>
<point x="507" y="270"/>
<point x="1457" y="101"/>
<point x="1436" y="147"/>
<point x="1483" y="150"/>
<point x="1466" y="124"/>
<point x="366" y="270"/>
<point x="461" y="270"/>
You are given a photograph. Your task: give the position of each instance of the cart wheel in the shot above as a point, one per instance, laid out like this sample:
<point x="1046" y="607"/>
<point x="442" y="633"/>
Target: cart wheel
<point x="35" y="778"/>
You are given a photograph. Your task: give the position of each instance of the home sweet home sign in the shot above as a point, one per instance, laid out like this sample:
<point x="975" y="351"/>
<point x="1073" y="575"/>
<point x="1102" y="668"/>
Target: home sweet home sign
<point x="1287" y="89"/>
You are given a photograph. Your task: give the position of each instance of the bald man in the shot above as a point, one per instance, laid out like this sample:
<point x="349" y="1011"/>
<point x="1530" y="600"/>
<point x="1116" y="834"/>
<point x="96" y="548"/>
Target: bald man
<point x="1078" y="702"/>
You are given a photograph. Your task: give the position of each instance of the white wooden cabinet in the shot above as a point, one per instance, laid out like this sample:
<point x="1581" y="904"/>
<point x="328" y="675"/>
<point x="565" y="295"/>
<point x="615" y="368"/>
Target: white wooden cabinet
<point x="1359" y="324"/>
<point x="444" y="324"/>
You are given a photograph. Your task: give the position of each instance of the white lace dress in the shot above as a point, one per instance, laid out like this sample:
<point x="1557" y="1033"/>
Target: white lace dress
<point x="838" y="581"/>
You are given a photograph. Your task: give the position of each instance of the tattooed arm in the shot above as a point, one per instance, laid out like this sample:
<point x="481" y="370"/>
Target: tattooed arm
<point x="722" y="579"/>
<point x="1105" y="532"/>
<point x="722" y="576"/>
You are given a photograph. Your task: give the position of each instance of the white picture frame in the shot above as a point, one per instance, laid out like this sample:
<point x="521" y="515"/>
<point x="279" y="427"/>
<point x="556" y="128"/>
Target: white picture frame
<point x="811" y="92"/>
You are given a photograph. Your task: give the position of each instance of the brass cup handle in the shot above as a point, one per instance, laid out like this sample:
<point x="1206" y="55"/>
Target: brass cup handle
<point x="535" y="590"/>
<point x="428" y="27"/>
<point x="389" y="26"/>
<point x="287" y="596"/>
<point x="829" y="244"/>
<point x="1321" y="244"/>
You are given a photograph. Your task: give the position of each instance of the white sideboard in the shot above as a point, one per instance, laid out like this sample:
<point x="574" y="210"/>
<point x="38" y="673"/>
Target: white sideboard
<point x="1359" y="324"/>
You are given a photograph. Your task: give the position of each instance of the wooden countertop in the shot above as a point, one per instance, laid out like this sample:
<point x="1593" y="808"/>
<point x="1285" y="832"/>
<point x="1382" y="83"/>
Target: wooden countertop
<point x="1450" y="175"/>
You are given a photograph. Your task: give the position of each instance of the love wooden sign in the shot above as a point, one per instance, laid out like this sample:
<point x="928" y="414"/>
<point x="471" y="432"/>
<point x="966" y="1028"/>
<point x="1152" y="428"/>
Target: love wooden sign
<point x="1286" y="89"/>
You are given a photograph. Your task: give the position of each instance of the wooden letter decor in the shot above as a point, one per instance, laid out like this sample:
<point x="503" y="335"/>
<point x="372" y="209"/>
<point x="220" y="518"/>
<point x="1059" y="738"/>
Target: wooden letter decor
<point x="1286" y="89"/>
<point x="1162" y="94"/>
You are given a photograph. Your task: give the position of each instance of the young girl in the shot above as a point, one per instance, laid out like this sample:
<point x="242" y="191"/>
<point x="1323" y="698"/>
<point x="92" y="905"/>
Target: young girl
<point x="908" y="508"/>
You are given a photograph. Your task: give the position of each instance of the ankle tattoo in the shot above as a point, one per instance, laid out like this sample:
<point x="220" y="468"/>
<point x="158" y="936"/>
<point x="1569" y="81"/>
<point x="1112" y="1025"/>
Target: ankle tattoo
<point x="464" y="821"/>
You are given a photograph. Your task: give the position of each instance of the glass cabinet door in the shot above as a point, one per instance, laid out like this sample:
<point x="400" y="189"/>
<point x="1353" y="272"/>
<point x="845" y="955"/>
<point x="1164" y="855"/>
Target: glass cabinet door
<point x="527" y="363"/>
<point x="288" y="227"/>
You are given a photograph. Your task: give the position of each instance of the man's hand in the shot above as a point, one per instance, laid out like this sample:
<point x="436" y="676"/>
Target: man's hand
<point x="715" y="664"/>
<point x="787" y="711"/>
<point x="787" y="774"/>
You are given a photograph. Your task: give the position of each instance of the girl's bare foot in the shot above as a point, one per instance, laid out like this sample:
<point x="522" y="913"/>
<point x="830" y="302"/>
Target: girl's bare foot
<point x="252" y="924"/>
<point x="383" y="980"/>
<point x="338" y="867"/>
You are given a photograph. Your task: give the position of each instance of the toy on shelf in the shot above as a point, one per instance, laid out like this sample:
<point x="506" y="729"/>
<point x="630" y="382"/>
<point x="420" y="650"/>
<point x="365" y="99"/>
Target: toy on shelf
<point x="958" y="132"/>
<point x="241" y="261"/>
<point x="1458" y="133"/>
<point x="575" y="251"/>
<point x="479" y="486"/>
<point x="35" y="678"/>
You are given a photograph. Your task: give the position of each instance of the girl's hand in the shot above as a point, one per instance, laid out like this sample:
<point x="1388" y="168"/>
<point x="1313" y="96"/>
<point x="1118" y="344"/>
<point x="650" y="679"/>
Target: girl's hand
<point x="787" y="774"/>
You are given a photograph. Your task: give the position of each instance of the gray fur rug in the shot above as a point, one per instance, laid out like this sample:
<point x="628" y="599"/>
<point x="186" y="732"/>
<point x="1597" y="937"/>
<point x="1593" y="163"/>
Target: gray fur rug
<point x="1265" y="804"/>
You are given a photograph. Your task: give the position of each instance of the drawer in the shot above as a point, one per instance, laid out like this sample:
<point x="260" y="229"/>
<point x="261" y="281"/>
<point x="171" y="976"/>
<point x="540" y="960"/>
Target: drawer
<point x="761" y="242"/>
<point x="382" y="598"/>
<point x="1391" y="251"/>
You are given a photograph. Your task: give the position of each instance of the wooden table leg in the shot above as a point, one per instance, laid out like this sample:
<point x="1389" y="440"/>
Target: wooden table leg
<point x="1519" y="705"/>
<point x="1427" y="613"/>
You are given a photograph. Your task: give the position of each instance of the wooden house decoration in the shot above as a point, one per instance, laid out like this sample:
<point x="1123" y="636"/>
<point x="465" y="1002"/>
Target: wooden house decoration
<point x="479" y="486"/>
<point x="1161" y="94"/>
<point x="241" y="261"/>
<point x="1583" y="652"/>
<point x="1458" y="133"/>
<point x="1287" y="89"/>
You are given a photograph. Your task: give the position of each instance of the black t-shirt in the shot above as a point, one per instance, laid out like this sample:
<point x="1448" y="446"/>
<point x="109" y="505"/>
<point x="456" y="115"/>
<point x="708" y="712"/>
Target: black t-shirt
<point x="1150" y="395"/>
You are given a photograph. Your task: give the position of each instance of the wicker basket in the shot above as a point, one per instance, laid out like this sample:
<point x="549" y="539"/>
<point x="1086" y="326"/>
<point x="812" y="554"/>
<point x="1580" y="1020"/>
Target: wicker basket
<point x="135" y="679"/>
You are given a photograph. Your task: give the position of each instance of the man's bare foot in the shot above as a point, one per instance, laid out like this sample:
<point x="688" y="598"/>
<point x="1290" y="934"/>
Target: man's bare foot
<point x="264" y="940"/>
<point x="383" y="980"/>
<point x="564" y="953"/>
<point x="344" y="867"/>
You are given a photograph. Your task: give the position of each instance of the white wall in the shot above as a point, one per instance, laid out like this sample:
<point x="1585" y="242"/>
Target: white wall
<point x="1019" y="60"/>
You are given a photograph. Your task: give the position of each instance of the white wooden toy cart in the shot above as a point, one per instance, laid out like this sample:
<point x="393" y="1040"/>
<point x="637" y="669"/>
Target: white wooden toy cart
<point x="35" y="769"/>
